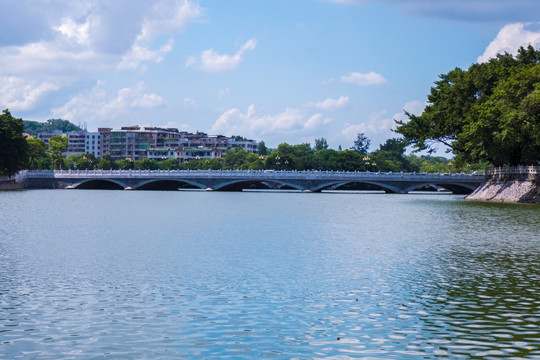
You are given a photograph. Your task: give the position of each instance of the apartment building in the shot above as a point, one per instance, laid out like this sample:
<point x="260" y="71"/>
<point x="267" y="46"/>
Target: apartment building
<point x="79" y="142"/>
<point x="136" y="143"/>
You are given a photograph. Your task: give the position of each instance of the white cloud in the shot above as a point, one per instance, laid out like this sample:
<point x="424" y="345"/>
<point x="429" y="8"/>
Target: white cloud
<point x="211" y="61"/>
<point x="139" y="54"/>
<point x="316" y="121"/>
<point x="331" y="104"/>
<point x="377" y="123"/>
<point x="509" y="39"/>
<point x="371" y="78"/>
<point x="164" y="18"/>
<point x="252" y="124"/>
<point x="19" y="94"/>
<point x="95" y="104"/>
<point x="169" y="17"/>
<point x="73" y="30"/>
<point x="77" y="39"/>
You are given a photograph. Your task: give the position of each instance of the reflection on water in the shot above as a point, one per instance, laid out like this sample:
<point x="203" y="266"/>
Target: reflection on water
<point x="97" y="274"/>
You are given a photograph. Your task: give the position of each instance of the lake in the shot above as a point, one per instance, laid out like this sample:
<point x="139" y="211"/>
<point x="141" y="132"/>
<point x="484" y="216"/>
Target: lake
<point x="90" y="274"/>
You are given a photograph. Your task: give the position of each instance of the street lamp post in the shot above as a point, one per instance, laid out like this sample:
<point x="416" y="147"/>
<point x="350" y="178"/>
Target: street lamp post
<point x="366" y="162"/>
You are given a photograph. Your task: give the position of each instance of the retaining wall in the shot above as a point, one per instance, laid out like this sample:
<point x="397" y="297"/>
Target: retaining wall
<point x="519" y="184"/>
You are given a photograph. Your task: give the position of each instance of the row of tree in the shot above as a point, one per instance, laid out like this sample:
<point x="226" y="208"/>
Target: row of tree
<point x="16" y="153"/>
<point x="389" y="157"/>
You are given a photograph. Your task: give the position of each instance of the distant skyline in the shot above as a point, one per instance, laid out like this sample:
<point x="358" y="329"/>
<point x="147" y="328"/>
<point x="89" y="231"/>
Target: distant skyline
<point x="279" y="71"/>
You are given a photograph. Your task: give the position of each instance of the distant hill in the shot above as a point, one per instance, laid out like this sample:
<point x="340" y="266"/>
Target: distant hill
<point x="35" y="127"/>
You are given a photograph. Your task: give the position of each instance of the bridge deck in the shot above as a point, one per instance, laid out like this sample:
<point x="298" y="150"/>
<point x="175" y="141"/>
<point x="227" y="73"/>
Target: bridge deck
<point x="220" y="179"/>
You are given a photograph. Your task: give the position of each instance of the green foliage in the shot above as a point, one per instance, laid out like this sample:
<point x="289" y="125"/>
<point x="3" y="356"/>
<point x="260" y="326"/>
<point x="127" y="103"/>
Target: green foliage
<point x="58" y="144"/>
<point x="488" y="113"/>
<point x="34" y="127"/>
<point x="105" y="163"/>
<point x="81" y="162"/>
<point x="169" y="164"/>
<point x="36" y="150"/>
<point x="125" y="164"/>
<point x="321" y="144"/>
<point x="361" y="144"/>
<point x="293" y="157"/>
<point x="263" y="150"/>
<point x="146" y="164"/>
<point x="277" y="161"/>
<point x="390" y="157"/>
<point x="242" y="160"/>
<point x="13" y="146"/>
<point x="211" y="164"/>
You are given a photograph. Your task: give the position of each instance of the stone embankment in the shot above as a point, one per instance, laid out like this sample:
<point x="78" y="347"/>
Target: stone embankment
<point x="10" y="183"/>
<point x="519" y="184"/>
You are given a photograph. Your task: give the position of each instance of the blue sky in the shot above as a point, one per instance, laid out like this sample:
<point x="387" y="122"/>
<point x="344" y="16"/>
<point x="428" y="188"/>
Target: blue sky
<point x="273" y="70"/>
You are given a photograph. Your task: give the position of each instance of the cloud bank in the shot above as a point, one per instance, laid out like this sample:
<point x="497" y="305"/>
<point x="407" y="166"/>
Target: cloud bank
<point x="369" y="79"/>
<point x="78" y="39"/>
<point x="211" y="61"/>
<point x="509" y="39"/>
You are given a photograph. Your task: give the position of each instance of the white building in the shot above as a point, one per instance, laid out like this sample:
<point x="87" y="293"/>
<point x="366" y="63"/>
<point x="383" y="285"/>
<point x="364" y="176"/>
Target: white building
<point x="92" y="144"/>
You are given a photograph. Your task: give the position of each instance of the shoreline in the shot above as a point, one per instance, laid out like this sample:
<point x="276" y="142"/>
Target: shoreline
<point x="509" y="185"/>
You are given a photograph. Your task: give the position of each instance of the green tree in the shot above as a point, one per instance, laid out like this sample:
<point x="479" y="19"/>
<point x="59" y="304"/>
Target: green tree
<point x="390" y="157"/>
<point x="320" y="144"/>
<point x="326" y="159"/>
<point x="235" y="159"/>
<point x="58" y="144"/>
<point x="211" y="164"/>
<point x="105" y="163"/>
<point x="36" y="150"/>
<point x="146" y="164"/>
<point x="276" y="161"/>
<point x="348" y="160"/>
<point x="263" y="150"/>
<point x="13" y="146"/>
<point x="81" y="162"/>
<point x="487" y="113"/>
<point x="169" y="164"/>
<point x="361" y="144"/>
<point x="124" y="164"/>
<point x="34" y="127"/>
<point x="299" y="157"/>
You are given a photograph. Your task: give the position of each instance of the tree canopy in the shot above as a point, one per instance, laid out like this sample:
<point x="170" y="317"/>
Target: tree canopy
<point x="35" y="127"/>
<point x="487" y="113"/>
<point x="13" y="146"/>
<point x="361" y="144"/>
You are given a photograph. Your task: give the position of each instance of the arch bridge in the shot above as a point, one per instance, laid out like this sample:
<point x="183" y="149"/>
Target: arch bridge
<point x="237" y="180"/>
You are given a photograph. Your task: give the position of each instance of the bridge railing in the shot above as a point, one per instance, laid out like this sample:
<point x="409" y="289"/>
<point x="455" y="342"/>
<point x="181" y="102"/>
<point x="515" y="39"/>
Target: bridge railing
<point x="513" y="170"/>
<point x="267" y="174"/>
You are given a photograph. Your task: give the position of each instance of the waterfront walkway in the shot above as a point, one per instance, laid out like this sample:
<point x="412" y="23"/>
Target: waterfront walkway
<point x="237" y="180"/>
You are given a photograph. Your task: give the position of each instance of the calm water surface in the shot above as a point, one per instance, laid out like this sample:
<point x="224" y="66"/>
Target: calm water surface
<point x="169" y="275"/>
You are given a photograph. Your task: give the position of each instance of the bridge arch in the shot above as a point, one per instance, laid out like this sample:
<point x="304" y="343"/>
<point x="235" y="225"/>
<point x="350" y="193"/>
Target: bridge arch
<point x="237" y="185"/>
<point x="99" y="184"/>
<point x="382" y="186"/>
<point x="456" y="188"/>
<point x="168" y="184"/>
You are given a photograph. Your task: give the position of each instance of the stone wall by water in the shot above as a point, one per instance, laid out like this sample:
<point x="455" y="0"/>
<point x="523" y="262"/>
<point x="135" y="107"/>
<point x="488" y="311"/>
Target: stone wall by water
<point x="10" y="184"/>
<point x="517" y="184"/>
